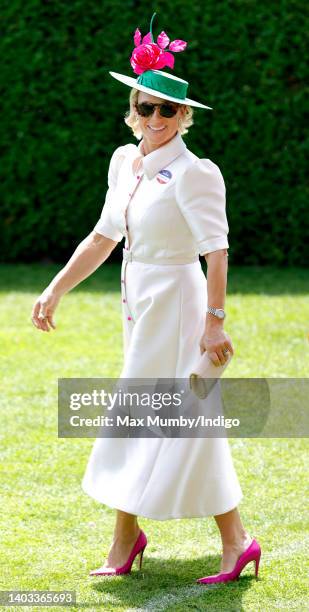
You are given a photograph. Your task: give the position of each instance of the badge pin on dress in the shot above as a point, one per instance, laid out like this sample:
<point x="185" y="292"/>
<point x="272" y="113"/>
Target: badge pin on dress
<point x="205" y="375"/>
<point x="164" y="176"/>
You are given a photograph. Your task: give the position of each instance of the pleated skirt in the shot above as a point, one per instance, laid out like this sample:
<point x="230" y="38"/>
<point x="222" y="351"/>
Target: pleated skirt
<point x="163" y="311"/>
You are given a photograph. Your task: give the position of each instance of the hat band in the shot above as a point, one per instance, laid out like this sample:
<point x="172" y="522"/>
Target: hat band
<point x="162" y="84"/>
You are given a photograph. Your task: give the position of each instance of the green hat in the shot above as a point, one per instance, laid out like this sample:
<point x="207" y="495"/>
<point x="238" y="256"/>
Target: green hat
<point x="146" y="60"/>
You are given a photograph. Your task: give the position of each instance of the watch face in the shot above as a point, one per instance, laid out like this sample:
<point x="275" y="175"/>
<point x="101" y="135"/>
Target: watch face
<point x="220" y="313"/>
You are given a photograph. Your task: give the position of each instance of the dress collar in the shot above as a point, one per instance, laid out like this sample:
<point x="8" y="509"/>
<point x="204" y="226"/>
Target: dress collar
<point x="158" y="159"/>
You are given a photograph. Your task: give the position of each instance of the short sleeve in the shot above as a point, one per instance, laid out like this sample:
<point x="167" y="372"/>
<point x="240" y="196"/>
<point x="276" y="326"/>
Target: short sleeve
<point x="105" y="225"/>
<point x="200" y="195"/>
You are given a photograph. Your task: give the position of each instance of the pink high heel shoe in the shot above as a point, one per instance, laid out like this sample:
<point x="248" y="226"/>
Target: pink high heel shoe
<point x="252" y="553"/>
<point x="138" y="549"/>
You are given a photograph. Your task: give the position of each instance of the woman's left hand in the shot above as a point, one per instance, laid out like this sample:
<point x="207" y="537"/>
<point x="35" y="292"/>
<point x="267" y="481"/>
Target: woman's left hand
<point x="215" y="340"/>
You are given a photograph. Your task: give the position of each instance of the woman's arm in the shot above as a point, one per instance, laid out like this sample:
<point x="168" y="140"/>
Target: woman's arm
<point x="214" y="339"/>
<point x="87" y="257"/>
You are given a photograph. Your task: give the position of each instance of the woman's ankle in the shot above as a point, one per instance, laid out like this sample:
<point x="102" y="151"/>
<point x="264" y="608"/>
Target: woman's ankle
<point x="127" y="532"/>
<point x="239" y="541"/>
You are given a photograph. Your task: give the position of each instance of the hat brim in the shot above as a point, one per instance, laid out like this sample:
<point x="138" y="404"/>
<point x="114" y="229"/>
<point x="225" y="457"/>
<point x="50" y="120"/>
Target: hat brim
<point x="131" y="82"/>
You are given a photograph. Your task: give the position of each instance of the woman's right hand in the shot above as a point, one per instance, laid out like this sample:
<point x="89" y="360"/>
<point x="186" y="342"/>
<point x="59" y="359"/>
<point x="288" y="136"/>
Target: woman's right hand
<point x="87" y="257"/>
<point x="43" y="310"/>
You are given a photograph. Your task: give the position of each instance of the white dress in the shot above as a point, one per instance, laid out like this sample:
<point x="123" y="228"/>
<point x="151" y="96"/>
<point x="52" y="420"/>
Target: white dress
<point x="170" y="206"/>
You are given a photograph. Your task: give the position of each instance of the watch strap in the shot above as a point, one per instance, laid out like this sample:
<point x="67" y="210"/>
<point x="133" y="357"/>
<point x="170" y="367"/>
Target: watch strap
<point x="214" y="311"/>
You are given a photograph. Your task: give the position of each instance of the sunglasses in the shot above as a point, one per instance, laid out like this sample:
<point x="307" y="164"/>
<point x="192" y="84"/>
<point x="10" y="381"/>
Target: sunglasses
<point x="146" y="109"/>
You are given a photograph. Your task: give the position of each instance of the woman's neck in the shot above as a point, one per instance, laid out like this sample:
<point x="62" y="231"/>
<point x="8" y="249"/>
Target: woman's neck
<point x="148" y="147"/>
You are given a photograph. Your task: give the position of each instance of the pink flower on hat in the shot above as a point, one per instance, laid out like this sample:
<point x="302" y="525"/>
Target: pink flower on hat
<point x="152" y="56"/>
<point x="147" y="57"/>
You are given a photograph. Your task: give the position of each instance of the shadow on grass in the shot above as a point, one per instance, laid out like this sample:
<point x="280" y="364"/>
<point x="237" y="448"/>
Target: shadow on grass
<point x="33" y="278"/>
<point x="165" y="584"/>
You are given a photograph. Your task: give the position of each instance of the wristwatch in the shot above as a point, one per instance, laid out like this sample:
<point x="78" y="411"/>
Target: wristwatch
<point x="217" y="312"/>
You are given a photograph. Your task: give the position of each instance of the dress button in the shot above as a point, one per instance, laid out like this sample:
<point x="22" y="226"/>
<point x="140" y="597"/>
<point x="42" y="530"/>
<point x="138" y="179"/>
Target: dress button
<point x="124" y="301"/>
<point x="138" y="177"/>
<point x="129" y="318"/>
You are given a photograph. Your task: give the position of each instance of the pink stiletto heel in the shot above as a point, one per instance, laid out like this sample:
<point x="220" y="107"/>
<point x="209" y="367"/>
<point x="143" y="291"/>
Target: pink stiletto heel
<point x="140" y="558"/>
<point x="252" y="553"/>
<point x="137" y="552"/>
<point x="257" y="563"/>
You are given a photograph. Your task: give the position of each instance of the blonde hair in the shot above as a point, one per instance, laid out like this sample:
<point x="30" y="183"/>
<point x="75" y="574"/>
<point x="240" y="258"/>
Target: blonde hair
<point x="131" y="118"/>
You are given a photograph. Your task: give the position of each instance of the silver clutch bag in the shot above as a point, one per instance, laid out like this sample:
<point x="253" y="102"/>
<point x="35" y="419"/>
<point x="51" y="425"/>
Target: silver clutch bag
<point x="205" y="375"/>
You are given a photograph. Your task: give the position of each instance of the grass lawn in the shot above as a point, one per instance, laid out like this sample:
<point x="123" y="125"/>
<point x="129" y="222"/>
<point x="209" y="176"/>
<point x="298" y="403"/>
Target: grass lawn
<point x="52" y="533"/>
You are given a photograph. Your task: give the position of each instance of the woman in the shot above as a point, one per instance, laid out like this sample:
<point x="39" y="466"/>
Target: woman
<point x="170" y="206"/>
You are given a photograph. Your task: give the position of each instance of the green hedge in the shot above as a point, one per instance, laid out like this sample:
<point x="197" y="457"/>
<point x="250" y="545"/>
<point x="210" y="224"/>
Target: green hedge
<point x="62" y="117"/>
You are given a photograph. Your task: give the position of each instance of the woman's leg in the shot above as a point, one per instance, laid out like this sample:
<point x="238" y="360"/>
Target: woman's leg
<point x="126" y="532"/>
<point x="235" y="538"/>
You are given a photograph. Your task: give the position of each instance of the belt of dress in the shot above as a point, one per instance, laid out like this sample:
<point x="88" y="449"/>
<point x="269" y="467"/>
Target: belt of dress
<point x="130" y="256"/>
